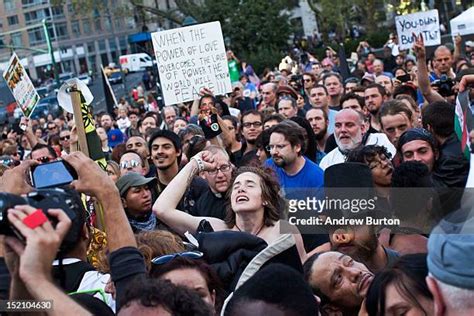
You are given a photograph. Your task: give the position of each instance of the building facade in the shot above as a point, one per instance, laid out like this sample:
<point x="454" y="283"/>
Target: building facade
<point x="81" y="43"/>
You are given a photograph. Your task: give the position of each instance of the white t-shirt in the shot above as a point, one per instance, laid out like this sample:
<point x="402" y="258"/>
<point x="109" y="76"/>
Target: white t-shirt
<point x="335" y="156"/>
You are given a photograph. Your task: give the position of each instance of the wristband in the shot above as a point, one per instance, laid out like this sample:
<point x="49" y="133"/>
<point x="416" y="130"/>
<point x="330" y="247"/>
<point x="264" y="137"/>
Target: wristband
<point x="199" y="162"/>
<point x="35" y="219"/>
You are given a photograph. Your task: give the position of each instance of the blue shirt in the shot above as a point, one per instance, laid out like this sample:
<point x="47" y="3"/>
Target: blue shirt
<point x="305" y="183"/>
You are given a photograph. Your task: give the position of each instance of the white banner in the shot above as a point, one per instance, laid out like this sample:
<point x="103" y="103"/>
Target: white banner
<point x="190" y="58"/>
<point x="21" y="86"/>
<point x="424" y="23"/>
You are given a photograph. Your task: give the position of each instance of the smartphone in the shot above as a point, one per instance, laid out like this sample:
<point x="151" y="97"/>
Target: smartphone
<point x="404" y="78"/>
<point x="52" y="174"/>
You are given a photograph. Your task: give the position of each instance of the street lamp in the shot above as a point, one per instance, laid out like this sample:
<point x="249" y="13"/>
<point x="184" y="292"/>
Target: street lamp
<point x="51" y="52"/>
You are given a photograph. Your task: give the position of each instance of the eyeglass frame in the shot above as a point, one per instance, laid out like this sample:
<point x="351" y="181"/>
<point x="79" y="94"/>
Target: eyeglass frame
<point x="124" y="164"/>
<point x="256" y="124"/>
<point x="186" y="254"/>
<point x="226" y="166"/>
<point x="279" y="147"/>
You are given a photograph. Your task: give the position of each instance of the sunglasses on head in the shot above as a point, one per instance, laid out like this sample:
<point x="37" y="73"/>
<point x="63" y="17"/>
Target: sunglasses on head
<point x="9" y="162"/>
<point x="167" y="258"/>
<point x="44" y="159"/>
<point x="129" y="164"/>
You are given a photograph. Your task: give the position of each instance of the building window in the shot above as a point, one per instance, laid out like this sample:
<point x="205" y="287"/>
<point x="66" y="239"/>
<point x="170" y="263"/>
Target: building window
<point x="30" y="3"/>
<point x="98" y="25"/>
<point x="108" y="24"/>
<point x="86" y="26"/>
<point x="61" y="30"/>
<point x="36" y="36"/>
<point x="35" y="16"/>
<point x="102" y="46"/>
<point x="90" y="47"/>
<point x="58" y="12"/>
<point x="9" y="5"/>
<point x="112" y="45"/>
<point x="16" y="40"/>
<point x="13" y="20"/>
<point x="76" y="31"/>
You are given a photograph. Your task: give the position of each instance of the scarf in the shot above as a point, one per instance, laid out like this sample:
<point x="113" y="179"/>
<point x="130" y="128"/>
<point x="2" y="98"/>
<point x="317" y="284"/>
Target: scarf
<point x="147" y="225"/>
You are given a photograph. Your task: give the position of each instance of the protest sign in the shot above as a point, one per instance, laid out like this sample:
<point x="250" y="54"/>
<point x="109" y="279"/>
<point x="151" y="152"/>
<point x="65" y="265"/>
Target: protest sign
<point x="424" y="23"/>
<point x="191" y="58"/>
<point x="21" y="86"/>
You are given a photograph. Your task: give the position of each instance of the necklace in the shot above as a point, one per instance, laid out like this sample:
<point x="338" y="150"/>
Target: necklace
<point x="258" y="232"/>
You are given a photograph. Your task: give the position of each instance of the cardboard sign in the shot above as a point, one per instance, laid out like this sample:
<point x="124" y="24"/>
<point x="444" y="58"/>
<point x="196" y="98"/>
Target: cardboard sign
<point x="424" y="23"/>
<point x="191" y="58"/>
<point x="21" y="86"/>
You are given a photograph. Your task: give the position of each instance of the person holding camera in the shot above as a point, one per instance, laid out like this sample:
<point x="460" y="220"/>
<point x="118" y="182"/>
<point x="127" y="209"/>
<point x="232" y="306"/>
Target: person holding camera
<point x="30" y="261"/>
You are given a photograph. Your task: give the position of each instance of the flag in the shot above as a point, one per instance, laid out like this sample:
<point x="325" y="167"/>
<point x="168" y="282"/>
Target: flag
<point x="110" y="99"/>
<point x="461" y="118"/>
<point x="343" y="66"/>
<point x="94" y="145"/>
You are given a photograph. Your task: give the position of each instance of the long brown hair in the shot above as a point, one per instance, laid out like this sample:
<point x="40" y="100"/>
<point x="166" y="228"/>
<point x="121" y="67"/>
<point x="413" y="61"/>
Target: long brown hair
<point x="270" y="194"/>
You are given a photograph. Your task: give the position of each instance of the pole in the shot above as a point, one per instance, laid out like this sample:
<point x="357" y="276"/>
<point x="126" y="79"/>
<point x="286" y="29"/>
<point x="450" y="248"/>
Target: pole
<point x="51" y="52"/>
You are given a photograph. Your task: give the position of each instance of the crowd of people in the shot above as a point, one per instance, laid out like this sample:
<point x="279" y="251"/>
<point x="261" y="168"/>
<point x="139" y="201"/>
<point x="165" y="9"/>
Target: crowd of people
<point x="192" y="214"/>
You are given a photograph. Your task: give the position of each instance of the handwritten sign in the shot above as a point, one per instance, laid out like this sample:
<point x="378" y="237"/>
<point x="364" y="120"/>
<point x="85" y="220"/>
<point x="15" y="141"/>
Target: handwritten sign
<point x="191" y="58"/>
<point x="424" y="23"/>
<point x="21" y="86"/>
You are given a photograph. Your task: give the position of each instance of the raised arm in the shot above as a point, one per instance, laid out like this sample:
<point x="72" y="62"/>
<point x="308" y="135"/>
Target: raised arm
<point x="165" y="205"/>
<point x="423" y="76"/>
<point x="457" y="48"/>
<point x="95" y="182"/>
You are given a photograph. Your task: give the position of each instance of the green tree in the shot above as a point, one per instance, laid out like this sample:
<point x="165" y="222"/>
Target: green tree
<point x="257" y="30"/>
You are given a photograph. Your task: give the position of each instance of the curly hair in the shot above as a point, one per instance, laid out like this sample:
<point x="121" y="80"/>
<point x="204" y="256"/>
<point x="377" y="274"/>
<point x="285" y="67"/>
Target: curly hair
<point x="177" y="300"/>
<point x="270" y="193"/>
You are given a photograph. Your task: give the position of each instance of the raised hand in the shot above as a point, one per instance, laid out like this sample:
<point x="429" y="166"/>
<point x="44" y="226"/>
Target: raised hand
<point x="419" y="47"/>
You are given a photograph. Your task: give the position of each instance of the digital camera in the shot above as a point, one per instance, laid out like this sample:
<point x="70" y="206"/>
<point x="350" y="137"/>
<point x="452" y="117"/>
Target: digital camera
<point x="67" y="200"/>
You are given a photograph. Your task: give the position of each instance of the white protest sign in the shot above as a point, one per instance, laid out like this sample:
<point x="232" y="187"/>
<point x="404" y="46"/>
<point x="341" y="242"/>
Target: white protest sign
<point x="424" y="23"/>
<point x="190" y="58"/>
<point x="21" y="86"/>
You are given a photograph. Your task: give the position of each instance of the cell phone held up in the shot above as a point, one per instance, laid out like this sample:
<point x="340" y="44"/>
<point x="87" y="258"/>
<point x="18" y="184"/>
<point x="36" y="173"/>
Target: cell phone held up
<point x="210" y="126"/>
<point x="57" y="173"/>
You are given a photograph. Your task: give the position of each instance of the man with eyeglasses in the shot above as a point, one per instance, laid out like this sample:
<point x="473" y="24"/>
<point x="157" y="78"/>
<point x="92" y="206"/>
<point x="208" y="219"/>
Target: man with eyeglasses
<point x="52" y="129"/>
<point x="252" y="126"/>
<point x="294" y="170"/>
<point x="212" y="202"/>
<point x="131" y="161"/>
<point x="43" y="153"/>
<point x="64" y="141"/>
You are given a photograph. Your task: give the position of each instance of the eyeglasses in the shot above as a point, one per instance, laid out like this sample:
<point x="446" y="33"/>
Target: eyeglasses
<point x="9" y="162"/>
<point x="254" y="124"/>
<point x="44" y="159"/>
<point x="52" y="127"/>
<point x="223" y="168"/>
<point x="307" y="80"/>
<point x="277" y="147"/>
<point x="382" y="159"/>
<point x="167" y="258"/>
<point x="129" y="164"/>
<point x="65" y="137"/>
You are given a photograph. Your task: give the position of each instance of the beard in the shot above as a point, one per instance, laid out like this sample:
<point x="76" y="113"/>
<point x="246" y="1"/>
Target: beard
<point x="362" y="251"/>
<point x="320" y="135"/>
<point x="355" y="141"/>
<point x="251" y="141"/>
<point x="281" y="162"/>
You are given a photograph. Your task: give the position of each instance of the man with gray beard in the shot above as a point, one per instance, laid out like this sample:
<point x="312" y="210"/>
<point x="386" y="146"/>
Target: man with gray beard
<point x="350" y="132"/>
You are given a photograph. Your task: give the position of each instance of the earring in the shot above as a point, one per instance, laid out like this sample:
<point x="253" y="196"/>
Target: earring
<point x="265" y="203"/>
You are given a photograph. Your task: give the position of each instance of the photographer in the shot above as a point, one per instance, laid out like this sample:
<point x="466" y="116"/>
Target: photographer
<point x="30" y="263"/>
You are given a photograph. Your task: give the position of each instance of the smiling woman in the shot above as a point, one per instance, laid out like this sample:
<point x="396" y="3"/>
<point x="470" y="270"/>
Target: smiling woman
<point x="255" y="203"/>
